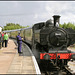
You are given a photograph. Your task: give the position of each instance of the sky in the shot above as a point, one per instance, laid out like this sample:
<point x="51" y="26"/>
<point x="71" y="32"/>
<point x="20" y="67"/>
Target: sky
<point x="31" y="12"/>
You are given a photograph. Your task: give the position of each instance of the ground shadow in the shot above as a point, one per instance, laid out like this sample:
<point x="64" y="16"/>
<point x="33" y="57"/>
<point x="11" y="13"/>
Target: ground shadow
<point x="9" y="52"/>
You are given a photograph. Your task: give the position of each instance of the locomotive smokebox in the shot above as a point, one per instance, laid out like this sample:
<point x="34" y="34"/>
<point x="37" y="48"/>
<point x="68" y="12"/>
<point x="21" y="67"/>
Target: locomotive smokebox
<point x="56" y="19"/>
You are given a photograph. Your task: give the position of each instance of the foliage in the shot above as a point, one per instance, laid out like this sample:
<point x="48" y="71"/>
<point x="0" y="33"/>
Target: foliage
<point x="68" y="25"/>
<point x="12" y="26"/>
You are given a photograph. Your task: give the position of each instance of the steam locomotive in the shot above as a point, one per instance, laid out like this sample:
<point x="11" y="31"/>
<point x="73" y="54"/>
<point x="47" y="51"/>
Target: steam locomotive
<point x="49" y="42"/>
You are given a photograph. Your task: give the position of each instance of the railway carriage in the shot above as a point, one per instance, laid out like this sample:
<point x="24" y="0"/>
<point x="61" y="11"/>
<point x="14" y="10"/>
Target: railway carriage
<point x="28" y="35"/>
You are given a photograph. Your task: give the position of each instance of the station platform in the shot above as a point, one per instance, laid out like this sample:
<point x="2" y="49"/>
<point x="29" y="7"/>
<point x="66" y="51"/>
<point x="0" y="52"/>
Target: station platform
<point x="11" y="62"/>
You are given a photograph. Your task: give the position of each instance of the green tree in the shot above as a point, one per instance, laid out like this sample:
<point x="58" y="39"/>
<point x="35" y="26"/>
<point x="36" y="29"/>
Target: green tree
<point x="12" y="26"/>
<point x="67" y="25"/>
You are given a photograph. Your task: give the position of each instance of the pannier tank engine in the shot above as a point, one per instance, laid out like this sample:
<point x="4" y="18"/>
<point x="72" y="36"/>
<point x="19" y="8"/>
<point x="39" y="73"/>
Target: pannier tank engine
<point x="51" y="41"/>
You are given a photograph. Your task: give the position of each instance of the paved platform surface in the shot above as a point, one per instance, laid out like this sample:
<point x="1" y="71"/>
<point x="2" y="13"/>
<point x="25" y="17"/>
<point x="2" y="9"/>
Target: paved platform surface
<point x="13" y="63"/>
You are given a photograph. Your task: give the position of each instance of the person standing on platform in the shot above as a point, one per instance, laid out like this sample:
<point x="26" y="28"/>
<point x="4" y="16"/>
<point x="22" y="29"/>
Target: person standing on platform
<point x="19" y="41"/>
<point x="8" y="38"/>
<point x="2" y="39"/>
<point x="5" y="39"/>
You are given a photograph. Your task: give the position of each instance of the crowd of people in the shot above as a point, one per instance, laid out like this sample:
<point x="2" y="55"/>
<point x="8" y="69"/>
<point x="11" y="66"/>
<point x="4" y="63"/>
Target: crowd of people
<point x="3" y="39"/>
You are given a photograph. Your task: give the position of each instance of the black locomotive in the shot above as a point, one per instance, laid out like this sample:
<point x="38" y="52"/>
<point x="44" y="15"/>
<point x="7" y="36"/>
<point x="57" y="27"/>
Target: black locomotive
<point x="48" y="35"/>
<point x="49" y="42"/>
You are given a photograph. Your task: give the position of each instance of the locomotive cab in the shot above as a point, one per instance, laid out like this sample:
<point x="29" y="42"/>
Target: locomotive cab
<point x="36" y="31"/>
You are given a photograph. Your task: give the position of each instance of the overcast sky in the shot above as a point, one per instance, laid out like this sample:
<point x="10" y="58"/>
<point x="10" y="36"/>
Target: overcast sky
<point x="31" y="12"/>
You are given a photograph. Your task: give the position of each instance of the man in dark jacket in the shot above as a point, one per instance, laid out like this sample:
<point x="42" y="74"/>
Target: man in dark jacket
<point x="19" y="41"/>
<point x="0" y="40"/>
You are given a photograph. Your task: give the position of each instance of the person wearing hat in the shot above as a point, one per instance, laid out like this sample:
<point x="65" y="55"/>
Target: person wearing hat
<point x="19" y="41"/>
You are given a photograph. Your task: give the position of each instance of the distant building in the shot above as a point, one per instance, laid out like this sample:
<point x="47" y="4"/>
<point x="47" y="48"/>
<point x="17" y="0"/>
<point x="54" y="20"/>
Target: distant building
<point x="0" y="29"/>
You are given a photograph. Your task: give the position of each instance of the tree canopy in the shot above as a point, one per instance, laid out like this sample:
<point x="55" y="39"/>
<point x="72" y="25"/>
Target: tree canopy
<point x="12" y="26"/>
<point x="67" y="25"/>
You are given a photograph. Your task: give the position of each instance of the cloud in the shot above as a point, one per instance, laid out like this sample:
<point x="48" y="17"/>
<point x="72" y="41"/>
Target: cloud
<point x="36" y="16"/>
<point x="30" y="12"/>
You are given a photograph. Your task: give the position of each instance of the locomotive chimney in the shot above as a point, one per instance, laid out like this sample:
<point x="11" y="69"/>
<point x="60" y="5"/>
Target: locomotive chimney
<point x="56" y="19"/>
